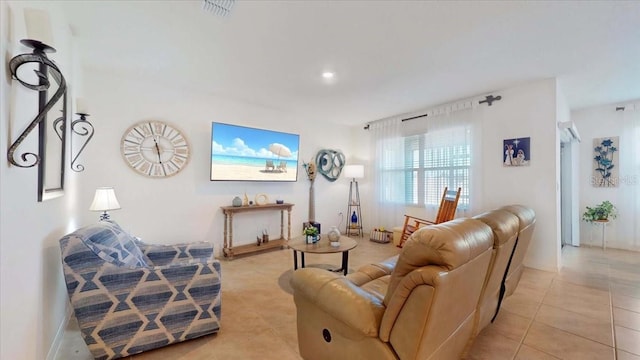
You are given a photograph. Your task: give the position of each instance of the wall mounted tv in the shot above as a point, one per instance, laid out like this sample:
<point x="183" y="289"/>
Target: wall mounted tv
<point x="241" y="153"/>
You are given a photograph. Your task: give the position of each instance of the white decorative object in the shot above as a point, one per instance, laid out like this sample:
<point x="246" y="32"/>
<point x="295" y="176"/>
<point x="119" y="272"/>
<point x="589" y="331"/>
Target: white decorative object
<point x="261" y="199"/>
<point x="334" y="236"/>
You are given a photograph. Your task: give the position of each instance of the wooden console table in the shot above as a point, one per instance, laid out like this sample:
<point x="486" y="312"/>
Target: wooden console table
<point x="229" y="211"/>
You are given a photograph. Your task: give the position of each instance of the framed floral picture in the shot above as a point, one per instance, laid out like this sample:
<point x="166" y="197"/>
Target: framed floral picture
<point x="605" y="160"/>
<point x="517" y="152"/>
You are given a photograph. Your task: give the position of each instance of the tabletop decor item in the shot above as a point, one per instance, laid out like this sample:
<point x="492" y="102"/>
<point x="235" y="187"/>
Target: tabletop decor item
<point x="311" y="235"/>
<point x="334" y="236"/>
<point x="236" y="201"/>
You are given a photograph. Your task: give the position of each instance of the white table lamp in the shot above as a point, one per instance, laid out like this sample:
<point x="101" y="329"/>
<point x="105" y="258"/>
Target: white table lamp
<point x="104" y="200"/>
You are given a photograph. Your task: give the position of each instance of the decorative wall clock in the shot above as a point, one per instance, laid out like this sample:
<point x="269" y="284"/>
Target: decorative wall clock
<point x="155" y="149"/>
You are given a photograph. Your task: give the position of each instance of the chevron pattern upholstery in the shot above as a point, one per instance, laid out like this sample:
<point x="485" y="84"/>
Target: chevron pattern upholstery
<point x="130" y="297"/>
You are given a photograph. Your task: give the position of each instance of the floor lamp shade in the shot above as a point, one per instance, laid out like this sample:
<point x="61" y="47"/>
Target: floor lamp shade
<point x="354" y="171"/>
<point x="104" y="200"/>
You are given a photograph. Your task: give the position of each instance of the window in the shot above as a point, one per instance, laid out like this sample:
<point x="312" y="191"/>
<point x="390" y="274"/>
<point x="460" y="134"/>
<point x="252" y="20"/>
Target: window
<point x="433" y="161"/>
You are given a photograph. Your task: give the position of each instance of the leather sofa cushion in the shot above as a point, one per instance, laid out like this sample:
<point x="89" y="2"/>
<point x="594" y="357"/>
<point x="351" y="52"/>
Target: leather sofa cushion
<point x="504" y="225"/>
<point x="439" y="245"/>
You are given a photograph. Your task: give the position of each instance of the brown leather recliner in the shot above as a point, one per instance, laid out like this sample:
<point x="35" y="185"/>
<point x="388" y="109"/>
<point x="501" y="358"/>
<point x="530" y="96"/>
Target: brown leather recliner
<point x="419" y="305"/>
<point x="505" y="227"/>
<point x="527" y="219"/>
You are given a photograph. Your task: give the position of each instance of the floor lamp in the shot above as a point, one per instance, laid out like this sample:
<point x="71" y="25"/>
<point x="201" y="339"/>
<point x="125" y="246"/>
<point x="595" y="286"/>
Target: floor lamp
<point x="354" y="214"/>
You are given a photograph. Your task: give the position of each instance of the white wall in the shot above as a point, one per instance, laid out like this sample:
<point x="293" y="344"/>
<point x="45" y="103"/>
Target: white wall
<point x="597" y="122"/>
<point x="33" y="299"/>
<point x="186" y="206"/>
<point x="528" y="110"/>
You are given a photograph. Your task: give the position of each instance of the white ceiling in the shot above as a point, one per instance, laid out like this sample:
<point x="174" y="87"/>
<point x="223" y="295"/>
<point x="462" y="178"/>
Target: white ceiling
<point x="390" y="57"/>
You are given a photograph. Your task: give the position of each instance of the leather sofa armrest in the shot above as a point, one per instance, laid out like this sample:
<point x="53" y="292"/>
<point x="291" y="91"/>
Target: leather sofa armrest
<point x="371" y="272"/>
<point x="339" y="298"/>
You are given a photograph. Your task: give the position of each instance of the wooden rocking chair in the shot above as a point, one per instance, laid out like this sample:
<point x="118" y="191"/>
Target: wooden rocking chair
<point x="446" y="212"/>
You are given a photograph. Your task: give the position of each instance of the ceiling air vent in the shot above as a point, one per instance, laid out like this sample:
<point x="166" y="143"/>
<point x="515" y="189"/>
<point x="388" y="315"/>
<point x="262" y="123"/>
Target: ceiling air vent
<point x="218" y="7"/>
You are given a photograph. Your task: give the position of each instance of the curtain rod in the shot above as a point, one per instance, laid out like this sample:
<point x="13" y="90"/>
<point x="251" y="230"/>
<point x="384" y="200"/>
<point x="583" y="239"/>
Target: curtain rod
<point x="489" y="99"/>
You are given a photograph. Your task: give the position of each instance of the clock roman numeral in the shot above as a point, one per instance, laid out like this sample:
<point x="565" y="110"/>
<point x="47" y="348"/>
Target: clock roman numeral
<point x="133" y="139"/>
<point x="144" y="167"/>
<point x="130" y="149"/>
<point x="157" y="170"/>
<point x="170" y="167"/>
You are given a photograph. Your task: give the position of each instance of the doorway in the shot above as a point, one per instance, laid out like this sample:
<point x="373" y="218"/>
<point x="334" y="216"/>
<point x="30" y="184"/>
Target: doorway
<point x="568" y="211"/>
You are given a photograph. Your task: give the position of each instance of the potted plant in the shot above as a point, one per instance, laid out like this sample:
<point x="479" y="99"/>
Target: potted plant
<point x="601" y="212"/>
<point x="311" y="234"/>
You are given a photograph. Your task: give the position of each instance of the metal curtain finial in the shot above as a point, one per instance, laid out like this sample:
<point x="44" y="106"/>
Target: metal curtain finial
<point x="82" y="128"/>
<point x="489" y="99"/>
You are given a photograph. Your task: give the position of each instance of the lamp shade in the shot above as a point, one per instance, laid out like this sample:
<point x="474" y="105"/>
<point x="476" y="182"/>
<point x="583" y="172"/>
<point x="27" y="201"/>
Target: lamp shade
<point x="104" y="200"/>
<point x="354" y="171"/>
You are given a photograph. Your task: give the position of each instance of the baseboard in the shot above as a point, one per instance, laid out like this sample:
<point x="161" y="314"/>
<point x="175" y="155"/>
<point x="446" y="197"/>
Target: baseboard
<point x="57" y="340"/>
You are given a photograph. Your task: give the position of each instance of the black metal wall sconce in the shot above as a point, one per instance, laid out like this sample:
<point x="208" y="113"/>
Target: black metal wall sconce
<point x="51" y="118"/>
<point x="50" y="155"/>
<point x="80" y="128"/>
<point x="45" y="104"/>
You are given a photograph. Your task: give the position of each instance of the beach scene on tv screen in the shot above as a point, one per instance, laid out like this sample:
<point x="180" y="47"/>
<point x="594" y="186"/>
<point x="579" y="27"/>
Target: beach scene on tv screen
<point x="244" y="153"/>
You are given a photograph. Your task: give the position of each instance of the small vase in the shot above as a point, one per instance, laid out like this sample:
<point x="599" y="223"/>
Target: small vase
<point x="334" y="236"/>
<point x="236" y="201"/>
<point x="354" y="218"/>
<point x="312" y="239"/>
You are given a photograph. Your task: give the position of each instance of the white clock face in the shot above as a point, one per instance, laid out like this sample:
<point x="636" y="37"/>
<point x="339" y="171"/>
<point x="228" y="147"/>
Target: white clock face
<point x="155" y="149"/>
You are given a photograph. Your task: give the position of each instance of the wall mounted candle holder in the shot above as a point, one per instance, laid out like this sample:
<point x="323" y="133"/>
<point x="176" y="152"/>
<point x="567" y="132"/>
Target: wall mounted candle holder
<point x="83" y="129"/>
<point x="51" y="150"/>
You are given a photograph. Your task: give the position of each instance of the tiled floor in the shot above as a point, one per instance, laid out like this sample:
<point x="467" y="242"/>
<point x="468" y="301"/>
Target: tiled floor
<point x="589" y="310"/>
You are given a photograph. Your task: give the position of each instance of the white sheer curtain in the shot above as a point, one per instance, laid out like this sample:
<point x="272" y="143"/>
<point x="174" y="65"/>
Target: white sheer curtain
<point x="447" y="136"/>
<point x="387" y="154"/>
<point x="628" y="222"/>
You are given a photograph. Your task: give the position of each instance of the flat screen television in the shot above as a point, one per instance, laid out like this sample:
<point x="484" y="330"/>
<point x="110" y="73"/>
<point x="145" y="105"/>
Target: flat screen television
<point x="240" y="153"/>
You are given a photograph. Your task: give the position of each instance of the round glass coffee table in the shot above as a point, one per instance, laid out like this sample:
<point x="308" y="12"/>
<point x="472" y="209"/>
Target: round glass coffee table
<point x="323" y="246"/>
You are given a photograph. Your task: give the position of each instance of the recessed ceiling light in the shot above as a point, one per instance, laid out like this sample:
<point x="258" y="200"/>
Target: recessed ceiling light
<point x="328" y="75"/>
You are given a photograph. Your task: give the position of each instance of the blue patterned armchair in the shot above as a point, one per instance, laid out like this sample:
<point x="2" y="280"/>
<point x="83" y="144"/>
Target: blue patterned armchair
<point x="130" y="297"/>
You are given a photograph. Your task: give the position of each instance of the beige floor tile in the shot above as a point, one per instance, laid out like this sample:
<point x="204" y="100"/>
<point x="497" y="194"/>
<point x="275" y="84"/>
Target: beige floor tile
<point x="626" y="318"/>
<point x="577" y="324"/>
<point x="536" y="278"/>
<point x="495" y="347"/>
<point x="626" y="290"/>
<point x="579" y="277"/>
<point x="627" y="340"/>
<point x="623" y="355"/>
<point x="529" y="353"/>
<point x="564" y="288"/>
<point x="565" y="345"/>
<point x="520" y="304"/>
<point x="626" y="302"/>
<point x="510" y="325"/>
<point x="535" y="293"/>
<point x="581" y="303"/>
